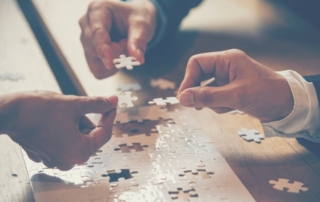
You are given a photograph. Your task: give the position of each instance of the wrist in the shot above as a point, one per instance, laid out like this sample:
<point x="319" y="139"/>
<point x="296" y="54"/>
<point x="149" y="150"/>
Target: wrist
<point x="8" y="109"/>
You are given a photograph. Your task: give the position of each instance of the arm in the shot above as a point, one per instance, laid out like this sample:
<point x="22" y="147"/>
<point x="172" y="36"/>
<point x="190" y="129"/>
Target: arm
<point x="304" y="119"/>
<point x="53" y="128"/>
<point x="111" y="28"/>
<point x="284" y="102"/>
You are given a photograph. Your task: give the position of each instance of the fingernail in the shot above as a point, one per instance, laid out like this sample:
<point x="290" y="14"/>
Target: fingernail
<point x="113" y="99"/>
<point x="141" y="55"/>
<point x="186" y="98"/>
<point x="106" y="63"/>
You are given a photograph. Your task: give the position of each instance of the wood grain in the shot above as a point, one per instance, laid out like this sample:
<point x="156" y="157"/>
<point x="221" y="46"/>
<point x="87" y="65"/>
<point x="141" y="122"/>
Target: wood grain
<point x="268" y="32"/>
<point x="19" y="53"/>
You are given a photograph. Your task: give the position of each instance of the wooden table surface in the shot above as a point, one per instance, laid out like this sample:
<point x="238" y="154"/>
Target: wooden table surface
<point x="267" y="31"/>
<point x="19" y="54"/>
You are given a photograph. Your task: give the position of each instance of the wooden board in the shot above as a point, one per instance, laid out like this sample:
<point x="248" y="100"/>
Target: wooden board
<point x="19" y="53"/>
<point x="268" y="32"/>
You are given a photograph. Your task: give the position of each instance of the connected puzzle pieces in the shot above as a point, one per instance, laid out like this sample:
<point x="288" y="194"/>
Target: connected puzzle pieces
<point x="250" y="135"/>
<point x="294" y="187"/>
<point x="125" y="100"/>
<point x="163" y="102"/>
<point x="127" y="62"/>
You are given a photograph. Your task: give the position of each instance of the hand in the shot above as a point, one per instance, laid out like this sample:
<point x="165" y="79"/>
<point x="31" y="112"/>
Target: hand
<point x="111" y="28"/>
<point x="53" y="128"/>
<point x="240" y="83"/>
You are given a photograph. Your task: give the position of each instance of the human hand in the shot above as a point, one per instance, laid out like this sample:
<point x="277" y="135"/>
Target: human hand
<point x="240" y="83"/>
<point x="53" y="128"/>
<point x="111" y="28"/>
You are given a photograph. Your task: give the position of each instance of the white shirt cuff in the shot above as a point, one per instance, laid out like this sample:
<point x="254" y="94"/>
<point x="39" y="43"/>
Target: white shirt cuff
<point x="304" y="119"/>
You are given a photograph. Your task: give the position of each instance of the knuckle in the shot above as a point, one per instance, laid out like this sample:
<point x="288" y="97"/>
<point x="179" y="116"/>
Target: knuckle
<point x="193" y="62"/>
<point x="99" y="102"/>
<point x="235" y="53"/>
<point x="193" y="59"/>
<point x="82" y="158"/>
<point x="81" y="22"/>
<point x="207" y="98"/>
<point x="240" y="96"/>
<point x="93" y="5"/>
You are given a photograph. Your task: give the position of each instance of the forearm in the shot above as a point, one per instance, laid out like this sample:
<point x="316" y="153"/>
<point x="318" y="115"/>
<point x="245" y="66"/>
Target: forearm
<point x="304" y="120"/>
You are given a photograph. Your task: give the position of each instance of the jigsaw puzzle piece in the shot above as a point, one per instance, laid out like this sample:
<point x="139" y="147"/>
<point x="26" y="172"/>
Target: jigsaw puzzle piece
<point x="294" y="187"/>
<point x="125" y="100"/>
<point x="127" y="62"/>
<point x="164" y="102"/>
<point x="250" y="135"/>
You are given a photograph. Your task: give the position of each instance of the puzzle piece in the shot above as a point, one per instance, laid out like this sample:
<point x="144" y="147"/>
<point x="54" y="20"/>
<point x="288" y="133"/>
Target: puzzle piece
<point x="11" y="76"/>
<point x="130" y="87"/>
<point x="131" y="147"/>
<point x="125" y="100"/>
<point x="174" y="187"/>
<point x="127" y="62"/>
<point x="250" y="135"/>
<point x="136" y="128"/>
<point x="163" y="102"/>
<point x="196" y="174"/>
<point x="162" y="84"/>
<point x="294" y="187"/>
<point x="237" y="112"/>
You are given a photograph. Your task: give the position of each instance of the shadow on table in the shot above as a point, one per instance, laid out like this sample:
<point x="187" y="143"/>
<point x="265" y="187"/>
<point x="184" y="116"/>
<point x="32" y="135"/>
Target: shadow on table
<point x="312" y="147"/>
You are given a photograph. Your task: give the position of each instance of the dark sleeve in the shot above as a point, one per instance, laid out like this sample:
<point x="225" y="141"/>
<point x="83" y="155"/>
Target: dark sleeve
<point x="315" y="79"/>
<point x="170" y="15"/>
<point x="176" y="10"/>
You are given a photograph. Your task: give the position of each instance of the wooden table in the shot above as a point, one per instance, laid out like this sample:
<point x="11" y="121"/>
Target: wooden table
<point x="19" y="54"/>
<point x="268" y="32"/>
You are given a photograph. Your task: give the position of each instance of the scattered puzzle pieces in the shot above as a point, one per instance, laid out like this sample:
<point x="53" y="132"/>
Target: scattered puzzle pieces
<point x="125" y="100"/>
<point x="294" y="187"/>
<point x="162" y="102"/>
<point x="162" y="84"/>
<point x="127" y="62"/>
<point x="250" y="135"/>
<point x="158" y="155"/>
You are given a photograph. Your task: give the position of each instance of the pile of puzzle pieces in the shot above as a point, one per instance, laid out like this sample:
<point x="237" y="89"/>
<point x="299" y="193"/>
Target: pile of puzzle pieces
<point x="155" y="154"/>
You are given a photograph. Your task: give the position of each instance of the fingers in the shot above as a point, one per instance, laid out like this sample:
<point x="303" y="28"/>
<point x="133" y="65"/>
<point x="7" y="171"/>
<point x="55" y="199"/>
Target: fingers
<point x="101" y="105"/>
<point x="87" y="145"/>
<point x="138" y="38"/>
<point x="86" y="125"/>
<point x="95" y="37"/>
<point x="208" y="65"/>
<point x="212" y="97"/>
<point x="101" y="134"/>
<point x="100" y="22"/>
<point x="97" y="67"/>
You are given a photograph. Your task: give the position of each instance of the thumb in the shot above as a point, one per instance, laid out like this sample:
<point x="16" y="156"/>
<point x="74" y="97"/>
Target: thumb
<point x="100" y="105"/>
<point x="102" y="133"/>
<point x="207" y="96"/>
<point x="138" y="38"/>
